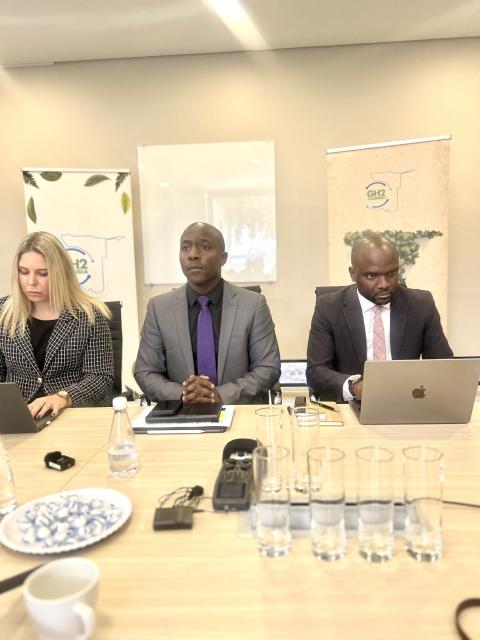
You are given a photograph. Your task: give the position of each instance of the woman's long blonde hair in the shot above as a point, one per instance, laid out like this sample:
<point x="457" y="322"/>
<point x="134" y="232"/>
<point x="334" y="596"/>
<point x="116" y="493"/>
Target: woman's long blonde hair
<point x="64" y="290"/>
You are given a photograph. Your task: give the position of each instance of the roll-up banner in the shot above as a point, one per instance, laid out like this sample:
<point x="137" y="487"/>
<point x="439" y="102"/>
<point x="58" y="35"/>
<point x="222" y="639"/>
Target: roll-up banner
<point x="90" y="211"/>
<point x="398" y="188"/>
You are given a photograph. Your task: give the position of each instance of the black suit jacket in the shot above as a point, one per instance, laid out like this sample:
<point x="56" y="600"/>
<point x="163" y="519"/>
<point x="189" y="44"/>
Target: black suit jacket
<point x="337" y="345"/>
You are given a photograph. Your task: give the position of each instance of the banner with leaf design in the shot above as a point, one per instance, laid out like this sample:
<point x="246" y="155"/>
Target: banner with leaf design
<point x="90" y="211"/>
<point x="400" y="189"/>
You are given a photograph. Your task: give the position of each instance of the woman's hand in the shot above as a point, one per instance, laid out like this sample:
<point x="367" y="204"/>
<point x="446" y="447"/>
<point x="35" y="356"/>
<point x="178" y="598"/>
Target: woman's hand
<point x="53" y="404"/>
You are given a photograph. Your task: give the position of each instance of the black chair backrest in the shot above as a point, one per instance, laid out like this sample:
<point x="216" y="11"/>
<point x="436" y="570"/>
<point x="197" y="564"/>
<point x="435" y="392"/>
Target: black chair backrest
<point x="320" y="291"/>
<point x="115" y="323"/>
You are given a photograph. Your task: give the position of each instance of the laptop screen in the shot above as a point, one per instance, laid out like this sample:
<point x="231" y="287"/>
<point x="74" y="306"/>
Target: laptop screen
<point x="15" y="416"/>
<point x="293" y="373"/>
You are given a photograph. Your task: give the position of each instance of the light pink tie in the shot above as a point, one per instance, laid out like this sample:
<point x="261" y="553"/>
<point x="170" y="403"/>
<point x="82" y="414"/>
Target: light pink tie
<point x="379" y="352"/>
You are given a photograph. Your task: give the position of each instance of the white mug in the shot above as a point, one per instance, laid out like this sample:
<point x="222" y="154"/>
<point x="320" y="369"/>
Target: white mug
<point x="60" y="598"/>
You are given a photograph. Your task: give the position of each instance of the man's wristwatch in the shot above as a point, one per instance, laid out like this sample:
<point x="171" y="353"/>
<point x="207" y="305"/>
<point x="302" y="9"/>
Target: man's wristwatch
<point x="66" y="396"/>
<point x="352" y="383"/>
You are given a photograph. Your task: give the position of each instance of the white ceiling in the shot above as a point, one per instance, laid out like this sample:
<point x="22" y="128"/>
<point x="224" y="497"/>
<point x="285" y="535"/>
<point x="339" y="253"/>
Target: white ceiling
<point x="71" y="30"/>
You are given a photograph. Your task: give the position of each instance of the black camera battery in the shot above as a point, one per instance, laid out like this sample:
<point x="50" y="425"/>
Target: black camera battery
<point x="173" y="518"/>
<point x="58" y="461"/>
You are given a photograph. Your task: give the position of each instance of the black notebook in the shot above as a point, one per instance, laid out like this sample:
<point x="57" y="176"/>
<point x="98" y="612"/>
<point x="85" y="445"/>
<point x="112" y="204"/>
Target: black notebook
<point x="203" y="412"/>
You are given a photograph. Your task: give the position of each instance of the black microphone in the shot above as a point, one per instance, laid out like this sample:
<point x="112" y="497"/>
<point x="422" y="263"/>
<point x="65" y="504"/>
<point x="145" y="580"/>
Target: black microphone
<point x="195" y="491"/>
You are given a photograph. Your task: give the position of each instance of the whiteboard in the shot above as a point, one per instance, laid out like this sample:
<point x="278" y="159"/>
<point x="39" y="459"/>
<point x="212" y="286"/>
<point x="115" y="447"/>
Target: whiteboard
<point x="229" y="185"/>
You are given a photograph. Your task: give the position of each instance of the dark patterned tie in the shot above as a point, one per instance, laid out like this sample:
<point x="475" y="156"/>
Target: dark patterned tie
<point x="206" y="364"/>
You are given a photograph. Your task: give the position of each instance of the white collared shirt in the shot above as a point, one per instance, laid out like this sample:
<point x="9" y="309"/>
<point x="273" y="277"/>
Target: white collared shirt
<point x="368" y="315"/>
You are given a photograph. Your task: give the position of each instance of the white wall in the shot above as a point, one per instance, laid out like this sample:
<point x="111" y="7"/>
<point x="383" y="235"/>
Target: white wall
<point x="94" y="114"/>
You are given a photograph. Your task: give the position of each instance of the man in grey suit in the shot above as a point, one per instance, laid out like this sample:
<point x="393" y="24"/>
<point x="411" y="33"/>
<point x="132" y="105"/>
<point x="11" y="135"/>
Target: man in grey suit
<point x="344" y="331"/>
<point x="246" y="357"/>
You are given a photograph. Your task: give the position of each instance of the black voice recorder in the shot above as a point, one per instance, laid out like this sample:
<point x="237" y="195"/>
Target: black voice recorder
<point x="234" y="483"/>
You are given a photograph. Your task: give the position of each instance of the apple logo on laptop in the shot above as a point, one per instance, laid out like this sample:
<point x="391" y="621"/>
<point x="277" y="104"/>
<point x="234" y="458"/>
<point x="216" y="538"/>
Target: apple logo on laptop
<point x="419" y="392"/>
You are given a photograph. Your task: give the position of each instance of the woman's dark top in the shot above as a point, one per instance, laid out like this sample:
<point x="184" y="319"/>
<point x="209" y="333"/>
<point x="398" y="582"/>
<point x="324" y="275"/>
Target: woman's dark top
<point x="40" y="332"/>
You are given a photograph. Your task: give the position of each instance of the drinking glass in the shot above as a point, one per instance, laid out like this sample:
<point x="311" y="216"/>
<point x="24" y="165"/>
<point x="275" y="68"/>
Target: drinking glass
<point x="271" y="470"/>
<point x="423" y="480"/>
<point x="269" y="426"/>
<point x="305" y="431"/>
<point x="375" y="503"/>
<point x="326" y="476"/>
<point x="8" y="500"/>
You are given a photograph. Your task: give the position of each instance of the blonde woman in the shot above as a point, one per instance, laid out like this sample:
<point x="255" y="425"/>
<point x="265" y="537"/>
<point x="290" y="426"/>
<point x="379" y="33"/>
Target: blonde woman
<point x="55" y="341"/>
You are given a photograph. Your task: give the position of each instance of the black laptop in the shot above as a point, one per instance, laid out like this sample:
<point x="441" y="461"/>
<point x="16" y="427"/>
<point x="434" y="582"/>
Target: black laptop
<point x="15" y="416"/>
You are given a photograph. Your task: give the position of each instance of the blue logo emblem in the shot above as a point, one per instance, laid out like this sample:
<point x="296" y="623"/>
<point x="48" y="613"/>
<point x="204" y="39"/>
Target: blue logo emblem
<point x="81" y="262"/>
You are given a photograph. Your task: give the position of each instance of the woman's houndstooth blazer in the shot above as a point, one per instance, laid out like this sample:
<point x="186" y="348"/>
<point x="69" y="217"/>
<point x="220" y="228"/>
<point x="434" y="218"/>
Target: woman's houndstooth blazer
<point x="79" y="359"/>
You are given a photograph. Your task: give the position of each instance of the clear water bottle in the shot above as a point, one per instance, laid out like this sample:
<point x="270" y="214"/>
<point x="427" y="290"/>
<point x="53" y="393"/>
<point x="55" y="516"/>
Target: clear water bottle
<point x="122" y="450"/>
<point x="8" y="501"/>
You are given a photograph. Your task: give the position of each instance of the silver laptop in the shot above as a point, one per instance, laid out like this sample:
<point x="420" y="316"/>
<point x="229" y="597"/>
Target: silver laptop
<point x="418" y="391"/>
<point x="14" y="414"/>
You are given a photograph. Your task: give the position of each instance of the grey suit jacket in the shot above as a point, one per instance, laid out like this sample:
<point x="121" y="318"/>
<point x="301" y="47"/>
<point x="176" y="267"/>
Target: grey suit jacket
<point x="337" y="345"/>
<point x="248" y="356"/>
<point x="79" y="359"/>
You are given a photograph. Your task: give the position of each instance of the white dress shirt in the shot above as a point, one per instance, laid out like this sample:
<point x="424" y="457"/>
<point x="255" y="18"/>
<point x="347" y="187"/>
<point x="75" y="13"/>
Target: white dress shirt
<point x="368" y="314"/>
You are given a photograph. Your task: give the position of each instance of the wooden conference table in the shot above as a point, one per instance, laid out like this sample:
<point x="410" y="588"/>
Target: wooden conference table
<point x="209" y="582"/>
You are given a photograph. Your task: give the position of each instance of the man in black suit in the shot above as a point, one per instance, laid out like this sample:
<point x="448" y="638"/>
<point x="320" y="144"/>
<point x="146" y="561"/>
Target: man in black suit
<point x="344" y="323"/>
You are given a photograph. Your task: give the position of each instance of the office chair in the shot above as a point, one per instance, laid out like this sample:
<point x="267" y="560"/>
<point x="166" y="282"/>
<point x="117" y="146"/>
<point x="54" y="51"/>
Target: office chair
<point x="320" y="291"/>
<point x="115" y="324"/>
<point x="253" y="287"/>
